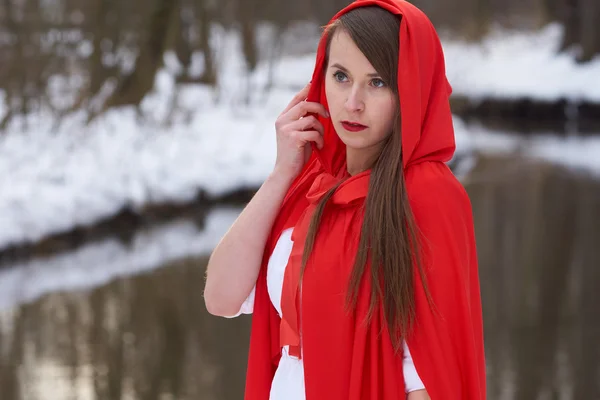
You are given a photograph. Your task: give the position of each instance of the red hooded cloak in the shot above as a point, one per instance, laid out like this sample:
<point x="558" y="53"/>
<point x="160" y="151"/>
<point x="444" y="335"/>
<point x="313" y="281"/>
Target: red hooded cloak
<point x="344" y="358"/>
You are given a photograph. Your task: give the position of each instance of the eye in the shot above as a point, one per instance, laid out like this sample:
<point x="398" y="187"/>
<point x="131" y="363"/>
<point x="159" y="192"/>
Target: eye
<point x="378" y="83"/>
<point x="340" y="76"/>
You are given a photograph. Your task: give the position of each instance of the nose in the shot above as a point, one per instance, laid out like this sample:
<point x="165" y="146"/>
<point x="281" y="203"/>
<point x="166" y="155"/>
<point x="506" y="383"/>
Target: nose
<point x="355" y="102"/>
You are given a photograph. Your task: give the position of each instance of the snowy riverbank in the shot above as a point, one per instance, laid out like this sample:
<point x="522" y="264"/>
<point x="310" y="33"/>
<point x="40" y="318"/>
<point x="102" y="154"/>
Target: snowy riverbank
<point x="55" y="178"/>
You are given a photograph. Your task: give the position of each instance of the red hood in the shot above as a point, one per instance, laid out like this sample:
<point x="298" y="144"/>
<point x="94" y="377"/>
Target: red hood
<point x="422" y="87"/>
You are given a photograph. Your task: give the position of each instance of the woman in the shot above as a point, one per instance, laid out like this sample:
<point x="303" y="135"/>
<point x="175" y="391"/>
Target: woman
<point x="357" y="255"/>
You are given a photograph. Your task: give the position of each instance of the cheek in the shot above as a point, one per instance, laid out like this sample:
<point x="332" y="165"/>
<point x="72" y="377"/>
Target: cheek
<point x="385" y="111"/>
<point x="333" y="98"/>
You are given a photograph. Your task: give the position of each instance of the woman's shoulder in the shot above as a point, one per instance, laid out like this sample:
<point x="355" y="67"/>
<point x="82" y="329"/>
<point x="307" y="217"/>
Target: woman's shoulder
<point x="433" y="189"/>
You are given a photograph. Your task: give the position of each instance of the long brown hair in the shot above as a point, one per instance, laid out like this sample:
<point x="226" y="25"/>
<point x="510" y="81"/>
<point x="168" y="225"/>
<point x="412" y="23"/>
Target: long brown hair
<point x="388" y="236"/>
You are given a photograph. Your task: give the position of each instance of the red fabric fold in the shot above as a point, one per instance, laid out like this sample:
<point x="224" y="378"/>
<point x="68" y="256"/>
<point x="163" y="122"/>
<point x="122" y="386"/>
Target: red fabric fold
<point x="344" y="358"/>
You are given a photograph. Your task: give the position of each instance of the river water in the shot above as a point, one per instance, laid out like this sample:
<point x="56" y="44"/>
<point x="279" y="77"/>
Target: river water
<point x="126" y="320"/>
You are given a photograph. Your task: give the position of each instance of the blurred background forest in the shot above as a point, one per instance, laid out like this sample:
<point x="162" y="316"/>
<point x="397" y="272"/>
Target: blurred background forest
<point x="133" y="132"/>
<point x="95" y="54"/>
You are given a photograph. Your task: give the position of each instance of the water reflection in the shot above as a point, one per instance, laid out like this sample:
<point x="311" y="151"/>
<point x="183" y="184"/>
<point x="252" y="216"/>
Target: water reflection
<point x="141" y="337"/>
<point x="148" y="336"/>
<point x="538" y="235"/>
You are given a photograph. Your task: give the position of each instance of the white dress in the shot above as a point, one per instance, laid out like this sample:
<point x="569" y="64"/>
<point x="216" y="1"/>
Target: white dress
<point x="288" y="382"/>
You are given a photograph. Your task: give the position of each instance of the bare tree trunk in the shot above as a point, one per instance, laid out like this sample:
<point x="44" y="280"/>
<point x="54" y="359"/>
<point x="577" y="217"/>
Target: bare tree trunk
<point x="210" y="75"/>
<point x="580" y="20"/>
<point x="182" y="45"/>
<point x="101" y="31"/>
<point x="246" y="17"/>
<point x="17" y="80"/>
<point x="552" y="9"/>
<point x="132" y="89"/>
<point x="589" y="12"/>
<point x="570" y="21"/>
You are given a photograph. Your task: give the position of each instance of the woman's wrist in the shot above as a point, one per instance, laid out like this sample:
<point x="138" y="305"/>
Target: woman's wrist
<point x="281" y="177"/>
<point x="418" y="395"/>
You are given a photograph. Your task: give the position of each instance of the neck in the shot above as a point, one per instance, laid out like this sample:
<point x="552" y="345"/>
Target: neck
<point x="360" y="160"/>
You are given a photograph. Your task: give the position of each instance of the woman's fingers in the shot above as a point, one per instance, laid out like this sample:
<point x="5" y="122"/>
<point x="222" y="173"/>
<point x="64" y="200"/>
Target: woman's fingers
<point x="306" y="107"/>
<point x="305" y="137"/>
<point x="307" y="123"/>
<point x="296" y="127"/>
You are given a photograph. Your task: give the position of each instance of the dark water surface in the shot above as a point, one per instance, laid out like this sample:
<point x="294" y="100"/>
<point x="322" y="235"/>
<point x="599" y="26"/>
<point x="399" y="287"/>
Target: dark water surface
<point x="127" y="321"/>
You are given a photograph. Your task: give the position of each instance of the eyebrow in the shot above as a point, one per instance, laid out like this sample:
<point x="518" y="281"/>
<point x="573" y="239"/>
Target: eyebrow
<point x="341" y="67"/>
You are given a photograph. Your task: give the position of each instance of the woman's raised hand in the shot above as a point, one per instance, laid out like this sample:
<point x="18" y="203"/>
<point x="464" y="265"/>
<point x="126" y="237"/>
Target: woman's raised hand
<point x="295" y="130"/>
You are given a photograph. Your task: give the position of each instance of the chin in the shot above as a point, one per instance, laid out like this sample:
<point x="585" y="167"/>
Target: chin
<point x="355" y="143"/>
<point x="353" y="140"/>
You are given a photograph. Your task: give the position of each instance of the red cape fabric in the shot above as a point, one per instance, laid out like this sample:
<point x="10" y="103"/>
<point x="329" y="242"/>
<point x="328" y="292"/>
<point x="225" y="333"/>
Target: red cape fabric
<point x="343" y="357"/>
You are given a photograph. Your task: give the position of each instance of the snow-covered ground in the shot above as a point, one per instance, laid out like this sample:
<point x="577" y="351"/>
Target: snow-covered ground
<point x="54" y="177"/>
<point x="511" y="64"/>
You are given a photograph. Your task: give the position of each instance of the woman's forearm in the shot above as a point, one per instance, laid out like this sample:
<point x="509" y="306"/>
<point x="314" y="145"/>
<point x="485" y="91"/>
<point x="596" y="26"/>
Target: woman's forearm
<point x="418" y="395"/>
<point x="234" y="264"/>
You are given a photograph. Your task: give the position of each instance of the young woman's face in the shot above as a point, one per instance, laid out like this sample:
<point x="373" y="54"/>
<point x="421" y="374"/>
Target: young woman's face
<point x="361" y="104"/>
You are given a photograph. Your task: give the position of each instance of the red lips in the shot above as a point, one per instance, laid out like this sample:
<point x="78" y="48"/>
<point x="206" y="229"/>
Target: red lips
<point x="353" y="126"/>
